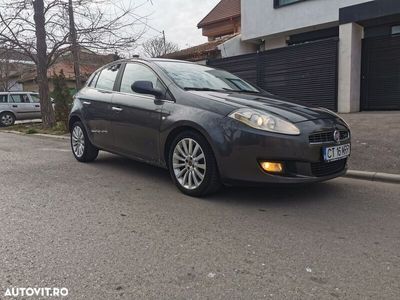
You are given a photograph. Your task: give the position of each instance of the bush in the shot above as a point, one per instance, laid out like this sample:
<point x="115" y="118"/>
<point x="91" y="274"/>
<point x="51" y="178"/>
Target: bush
<point x="62" y="98"/>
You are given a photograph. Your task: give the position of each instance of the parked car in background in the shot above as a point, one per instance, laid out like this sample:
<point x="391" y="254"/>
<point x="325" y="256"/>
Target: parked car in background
<point x="18" y="106"/>
<point x="207" y="126"/>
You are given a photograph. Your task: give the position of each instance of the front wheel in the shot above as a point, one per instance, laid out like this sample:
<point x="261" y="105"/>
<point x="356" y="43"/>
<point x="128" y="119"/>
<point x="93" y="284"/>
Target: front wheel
<point x="192" y="165"/>
<point x="82" y="148"/>
<point x="7" y="119"/>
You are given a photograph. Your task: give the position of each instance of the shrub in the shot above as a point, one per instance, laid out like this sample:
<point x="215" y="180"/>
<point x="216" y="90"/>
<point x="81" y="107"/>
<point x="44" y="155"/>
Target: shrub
<point x="62" y="98"/>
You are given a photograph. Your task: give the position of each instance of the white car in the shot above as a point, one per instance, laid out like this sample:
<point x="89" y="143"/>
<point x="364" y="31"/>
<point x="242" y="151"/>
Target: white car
<point x="18" y="106"/>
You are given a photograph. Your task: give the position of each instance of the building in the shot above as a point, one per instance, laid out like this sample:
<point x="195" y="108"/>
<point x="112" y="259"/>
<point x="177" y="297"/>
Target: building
<point x="222" y="28"/>
<point x="89" y="62"/>
<point x="346" y="53"/>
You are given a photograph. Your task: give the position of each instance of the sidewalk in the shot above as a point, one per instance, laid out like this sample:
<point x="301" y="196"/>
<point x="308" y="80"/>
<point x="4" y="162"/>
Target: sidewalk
<point x="375" y="141"/>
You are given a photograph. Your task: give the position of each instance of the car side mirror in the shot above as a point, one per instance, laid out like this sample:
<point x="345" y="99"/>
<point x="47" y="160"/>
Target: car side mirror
<point x="146" y="87"/>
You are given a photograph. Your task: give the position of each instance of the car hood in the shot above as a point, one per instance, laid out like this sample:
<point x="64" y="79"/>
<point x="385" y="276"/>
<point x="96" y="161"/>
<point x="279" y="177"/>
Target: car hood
<point x="293" y="112"/>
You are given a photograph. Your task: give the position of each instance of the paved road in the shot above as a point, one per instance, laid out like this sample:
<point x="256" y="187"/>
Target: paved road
<point x="117" y="229"/>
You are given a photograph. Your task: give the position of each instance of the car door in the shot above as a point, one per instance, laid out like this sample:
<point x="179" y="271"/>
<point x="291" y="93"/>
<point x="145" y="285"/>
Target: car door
<point x="96" y="103"/>
<point x="4" y="106"/>
<point x="22" y="106"/>
<point x="36" y="106"/>
<point x="137" y="117"/>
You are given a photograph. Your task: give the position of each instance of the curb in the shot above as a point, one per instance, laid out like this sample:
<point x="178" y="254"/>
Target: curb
<point x="59" y="137"/>
<point x="373" y="176"/>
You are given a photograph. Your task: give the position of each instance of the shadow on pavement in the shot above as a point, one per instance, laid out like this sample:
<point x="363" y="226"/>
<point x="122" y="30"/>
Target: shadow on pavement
<point x="269" y="194"/>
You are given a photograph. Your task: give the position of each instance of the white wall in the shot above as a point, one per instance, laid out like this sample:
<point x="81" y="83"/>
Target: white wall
<point x="235" y="46"/>
<point x="260" y="19"/>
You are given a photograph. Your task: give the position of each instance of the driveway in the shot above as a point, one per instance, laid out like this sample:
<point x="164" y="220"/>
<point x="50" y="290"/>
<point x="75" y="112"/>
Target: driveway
<point x="117" y="229"/>
<point x="375" y="141"/>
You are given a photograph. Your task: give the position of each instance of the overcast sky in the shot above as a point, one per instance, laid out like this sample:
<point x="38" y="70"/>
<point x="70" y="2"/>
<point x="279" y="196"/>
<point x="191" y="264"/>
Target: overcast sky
<point x="179" y="19"/>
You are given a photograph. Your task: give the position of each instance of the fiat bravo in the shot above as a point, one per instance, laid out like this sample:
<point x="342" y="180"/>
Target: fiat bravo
<point x="206" y="126"/>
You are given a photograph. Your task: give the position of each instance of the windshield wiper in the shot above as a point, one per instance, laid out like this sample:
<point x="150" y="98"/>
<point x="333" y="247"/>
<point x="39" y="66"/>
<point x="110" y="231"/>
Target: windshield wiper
<point x="241" y="91"/>
<point x="200" y="89"/>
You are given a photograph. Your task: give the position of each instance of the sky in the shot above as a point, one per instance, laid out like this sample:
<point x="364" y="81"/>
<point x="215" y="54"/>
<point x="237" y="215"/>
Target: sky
<point x="179" y="19"/>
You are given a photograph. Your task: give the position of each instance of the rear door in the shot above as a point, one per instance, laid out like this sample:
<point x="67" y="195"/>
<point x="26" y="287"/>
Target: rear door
<point x="137" y="117"/>
<point x="4" y="106"/>
<point x="96" y="102"/>
<point x="36" y="106"/>
<point x="22" y="106"/>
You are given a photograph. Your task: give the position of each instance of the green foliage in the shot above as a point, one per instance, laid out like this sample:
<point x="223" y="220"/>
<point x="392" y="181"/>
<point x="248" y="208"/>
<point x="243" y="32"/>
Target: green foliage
<point x="62" y="98"/>
<point x="31" y="131"/>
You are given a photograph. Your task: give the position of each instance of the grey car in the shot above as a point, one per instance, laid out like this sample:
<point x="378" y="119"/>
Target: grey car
<point x="18" y="106"/>
<point x="206" y="126"/>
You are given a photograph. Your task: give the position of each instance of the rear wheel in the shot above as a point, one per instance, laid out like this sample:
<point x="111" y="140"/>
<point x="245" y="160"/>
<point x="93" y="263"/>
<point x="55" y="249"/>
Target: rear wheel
<point x="192" y="165"/>
<point x="82" y="148"/>
<point x="7" y="119"/>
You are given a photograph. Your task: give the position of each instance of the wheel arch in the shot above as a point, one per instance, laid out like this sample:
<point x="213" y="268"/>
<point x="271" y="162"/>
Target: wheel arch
<point x="179" y="128"/>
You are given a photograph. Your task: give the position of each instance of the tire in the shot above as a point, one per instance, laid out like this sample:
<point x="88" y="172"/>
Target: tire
<point x="7" y="119"/>
<point x="192" y="165"/>
<point x="81" y="147"/>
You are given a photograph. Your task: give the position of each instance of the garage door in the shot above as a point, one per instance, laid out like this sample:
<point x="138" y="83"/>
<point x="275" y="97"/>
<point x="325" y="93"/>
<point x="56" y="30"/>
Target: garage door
<point x="380" y="89"/>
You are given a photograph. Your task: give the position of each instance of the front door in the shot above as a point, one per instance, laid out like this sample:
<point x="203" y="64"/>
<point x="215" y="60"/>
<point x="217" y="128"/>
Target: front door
<point x="22" y="106"/>
<point x="136" y="117"/>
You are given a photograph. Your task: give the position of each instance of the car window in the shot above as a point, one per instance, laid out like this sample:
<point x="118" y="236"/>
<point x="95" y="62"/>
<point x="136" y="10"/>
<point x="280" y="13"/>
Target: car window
<point x="20" y="98"/>
<point x="35" y="98"/>
<point x="107" y="78"/>
<point x="138" y="72"/>
<point x="3" y="98"/>
<point x="93" y="80"/>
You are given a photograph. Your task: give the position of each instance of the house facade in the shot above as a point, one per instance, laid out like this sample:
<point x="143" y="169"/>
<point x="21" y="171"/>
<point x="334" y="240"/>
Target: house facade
<point x="358" y="39"/>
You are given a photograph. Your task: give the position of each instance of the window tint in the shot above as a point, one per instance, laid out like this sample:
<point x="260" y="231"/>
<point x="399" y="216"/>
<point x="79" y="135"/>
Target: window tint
<point x="24" y="98"/>
<point x="94" y="80"/>
<point x="138" y="72"/>
<point x="3" y="98"/>
<point x="107" y="78"/>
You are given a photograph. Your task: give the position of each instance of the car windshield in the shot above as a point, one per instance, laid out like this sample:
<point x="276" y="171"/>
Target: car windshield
<point x="197" y="77"/>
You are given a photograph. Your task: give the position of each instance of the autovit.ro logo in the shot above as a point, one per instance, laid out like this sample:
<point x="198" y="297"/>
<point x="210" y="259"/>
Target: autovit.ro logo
<point x="36" y="292"/>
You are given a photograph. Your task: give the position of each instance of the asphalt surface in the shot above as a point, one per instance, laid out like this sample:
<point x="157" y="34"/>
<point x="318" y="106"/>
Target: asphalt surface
<point x="117" y="229"/>
<point x="375" y="141"/>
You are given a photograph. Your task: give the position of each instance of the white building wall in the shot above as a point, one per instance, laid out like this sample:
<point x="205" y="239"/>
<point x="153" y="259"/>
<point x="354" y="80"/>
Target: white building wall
<point x="235" y="46"/>
<point x="260" y="19"/>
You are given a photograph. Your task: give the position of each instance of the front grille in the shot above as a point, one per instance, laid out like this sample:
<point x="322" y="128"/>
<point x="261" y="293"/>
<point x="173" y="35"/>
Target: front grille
<point x="321" y="169"/>
<point x="327" y="137"/>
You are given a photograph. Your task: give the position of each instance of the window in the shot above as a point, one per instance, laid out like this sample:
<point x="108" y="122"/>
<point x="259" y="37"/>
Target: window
<point x="138" y="72"/>
<point x="35" y="98"/>
<point x="20" y="98"/>
<point x="396" y="29"/>
<point x="93" y="80"/>
<point x="3" y="98"/>
<point x="107" y="78"/>
<point x="280" y="3"/>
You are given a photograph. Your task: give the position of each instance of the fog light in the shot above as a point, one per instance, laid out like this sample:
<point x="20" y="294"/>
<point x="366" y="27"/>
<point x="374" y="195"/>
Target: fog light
<point x="272" y="167"/>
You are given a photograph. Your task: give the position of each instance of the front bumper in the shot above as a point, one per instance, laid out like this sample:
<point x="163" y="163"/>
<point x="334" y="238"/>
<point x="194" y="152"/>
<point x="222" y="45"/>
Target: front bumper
<point x="243" y="147"/>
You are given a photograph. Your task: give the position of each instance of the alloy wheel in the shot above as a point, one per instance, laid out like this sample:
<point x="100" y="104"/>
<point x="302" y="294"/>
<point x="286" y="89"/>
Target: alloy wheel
<point x="189" y="163"/>
<point x="78" y="141"/>
<point x="7" y="120"/>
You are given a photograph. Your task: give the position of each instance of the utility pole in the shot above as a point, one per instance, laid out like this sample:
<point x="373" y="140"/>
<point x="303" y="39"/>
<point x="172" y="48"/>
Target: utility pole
<point x="74" y="46"/>
<point x="165" y="42"/>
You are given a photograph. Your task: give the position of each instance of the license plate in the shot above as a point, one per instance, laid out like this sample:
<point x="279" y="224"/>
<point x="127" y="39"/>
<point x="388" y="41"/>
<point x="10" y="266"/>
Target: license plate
<point x="336" y="152"/>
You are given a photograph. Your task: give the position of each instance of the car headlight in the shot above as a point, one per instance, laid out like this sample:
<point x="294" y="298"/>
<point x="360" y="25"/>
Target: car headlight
<point x="264" y="121"/>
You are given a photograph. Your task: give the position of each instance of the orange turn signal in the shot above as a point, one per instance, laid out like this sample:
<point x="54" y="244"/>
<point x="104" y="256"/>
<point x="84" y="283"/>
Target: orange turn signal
<point x="271" y="167"/>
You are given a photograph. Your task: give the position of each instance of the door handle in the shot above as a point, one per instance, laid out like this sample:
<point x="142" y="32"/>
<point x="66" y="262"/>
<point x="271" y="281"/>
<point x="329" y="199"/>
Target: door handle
<point x="117" y="109"/>
<point x="86" y="103"/>
<point x="37" y="105"/>
<point x="15" y="106"/>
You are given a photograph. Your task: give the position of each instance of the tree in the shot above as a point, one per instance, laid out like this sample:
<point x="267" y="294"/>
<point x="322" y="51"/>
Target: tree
<point x="158" y="47"/>
<point x="41" y="29"/>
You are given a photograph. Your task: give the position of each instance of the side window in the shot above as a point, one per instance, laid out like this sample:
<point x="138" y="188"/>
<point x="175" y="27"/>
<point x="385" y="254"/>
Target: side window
<point x="93" y="80"/>
<point x="138" y="72"/>
<point x="35" y="98"/>
<point x="3" y="98"/>
<point x="107" y="78"/>
<point x="20" y="98"/>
